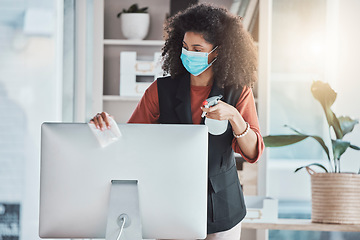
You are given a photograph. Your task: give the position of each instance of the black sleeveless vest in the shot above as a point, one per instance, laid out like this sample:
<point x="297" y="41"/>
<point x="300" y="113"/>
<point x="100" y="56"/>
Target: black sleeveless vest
<point x="226" y="206"/>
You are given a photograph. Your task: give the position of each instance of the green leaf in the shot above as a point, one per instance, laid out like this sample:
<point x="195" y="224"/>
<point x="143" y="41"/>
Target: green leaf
<point x="347" y="124"/>
<point x="312" y="164"/>
<point x="294" y="129"/>
<point x="336" y="125"/>
<point x="323" y="93"/>
<point x="326" y="96"/>
<point x="282" y="140"/>
<point x="339" y="147"/>
<point x="143" y="10"/>
<point x="322" y="143"/>
<point x="317" y="138"/>
<point x="133" y="8"/>
<point x="354" y="147"/>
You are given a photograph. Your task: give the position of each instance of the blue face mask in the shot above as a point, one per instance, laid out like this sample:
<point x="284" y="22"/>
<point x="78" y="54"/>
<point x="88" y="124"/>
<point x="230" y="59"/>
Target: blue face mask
<point x="196" y="62"/>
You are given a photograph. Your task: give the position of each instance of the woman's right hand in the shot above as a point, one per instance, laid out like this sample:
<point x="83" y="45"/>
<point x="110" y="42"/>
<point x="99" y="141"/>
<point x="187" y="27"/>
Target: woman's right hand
<point x="101" y="120"/>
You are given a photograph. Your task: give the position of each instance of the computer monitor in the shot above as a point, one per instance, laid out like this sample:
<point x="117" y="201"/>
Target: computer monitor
<point x="169" y="163"/>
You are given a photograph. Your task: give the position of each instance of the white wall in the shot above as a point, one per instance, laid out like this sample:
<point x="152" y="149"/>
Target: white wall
<point x="348" y="80"/>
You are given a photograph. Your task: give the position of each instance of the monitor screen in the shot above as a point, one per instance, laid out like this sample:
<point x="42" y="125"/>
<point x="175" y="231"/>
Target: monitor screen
<point x="169" y="163"/>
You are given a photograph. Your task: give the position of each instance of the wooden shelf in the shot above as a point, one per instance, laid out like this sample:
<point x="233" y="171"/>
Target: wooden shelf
<point x="119" y="98"/>
<point x="299" y="225"/>
<point x="125" y="42"/>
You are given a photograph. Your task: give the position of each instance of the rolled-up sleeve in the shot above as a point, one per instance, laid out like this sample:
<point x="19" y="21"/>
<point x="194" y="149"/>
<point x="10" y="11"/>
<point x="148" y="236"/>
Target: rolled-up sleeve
<point x="147" y="110"/>
<point x="247" y="109"/>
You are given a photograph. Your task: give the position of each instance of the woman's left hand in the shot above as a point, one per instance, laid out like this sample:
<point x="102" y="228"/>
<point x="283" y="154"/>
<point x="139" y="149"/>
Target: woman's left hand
<point x="221" y="111"/>
<point x="224" y="111"/>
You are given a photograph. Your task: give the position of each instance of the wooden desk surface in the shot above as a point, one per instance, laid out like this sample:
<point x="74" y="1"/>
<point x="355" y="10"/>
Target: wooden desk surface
<point x="299" y="225"/>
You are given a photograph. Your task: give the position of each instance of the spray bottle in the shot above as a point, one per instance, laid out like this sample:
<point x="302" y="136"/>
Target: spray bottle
<point x="215" y="127"/>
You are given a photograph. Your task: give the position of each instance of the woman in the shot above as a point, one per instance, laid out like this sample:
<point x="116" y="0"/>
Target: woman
<point x="209" y="53"/>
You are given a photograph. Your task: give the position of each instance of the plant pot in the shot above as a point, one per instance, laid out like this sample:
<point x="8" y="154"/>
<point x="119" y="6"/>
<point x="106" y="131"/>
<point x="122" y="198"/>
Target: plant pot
<point x="135" y="26"/>
<point x="335" y="197"/>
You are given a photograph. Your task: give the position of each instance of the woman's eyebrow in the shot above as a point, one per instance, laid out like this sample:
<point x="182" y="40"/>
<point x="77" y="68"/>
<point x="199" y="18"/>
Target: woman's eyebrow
<point x="194" y="45"/>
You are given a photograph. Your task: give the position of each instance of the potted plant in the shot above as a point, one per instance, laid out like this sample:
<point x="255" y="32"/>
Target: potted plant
<point x="335" y="195"/>
<point x="135" y="22"/>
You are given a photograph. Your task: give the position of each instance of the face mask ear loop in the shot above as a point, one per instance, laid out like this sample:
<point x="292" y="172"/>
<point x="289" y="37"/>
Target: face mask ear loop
<point x="212" y="62"/>
<point x="213" y="49"/>
<point x="214" y="58"/>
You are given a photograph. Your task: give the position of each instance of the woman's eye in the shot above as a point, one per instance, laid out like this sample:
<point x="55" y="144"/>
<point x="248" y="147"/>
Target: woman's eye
<point x="197" y="50"/>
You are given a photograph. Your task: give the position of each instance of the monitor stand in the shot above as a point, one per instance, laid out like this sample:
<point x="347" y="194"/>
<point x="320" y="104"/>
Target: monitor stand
<point x="123" y="213"/>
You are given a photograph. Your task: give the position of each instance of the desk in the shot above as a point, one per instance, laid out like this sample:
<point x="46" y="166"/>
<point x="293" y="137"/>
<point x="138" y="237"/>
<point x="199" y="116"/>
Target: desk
<point x="299" y="225"/>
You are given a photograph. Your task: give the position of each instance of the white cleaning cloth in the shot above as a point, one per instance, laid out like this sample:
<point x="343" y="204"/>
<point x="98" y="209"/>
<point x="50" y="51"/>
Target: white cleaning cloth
<point x="106" y="136"/>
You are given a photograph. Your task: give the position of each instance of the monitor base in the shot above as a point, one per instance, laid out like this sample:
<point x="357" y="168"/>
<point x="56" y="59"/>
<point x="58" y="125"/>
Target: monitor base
<point x="123" y="212"/>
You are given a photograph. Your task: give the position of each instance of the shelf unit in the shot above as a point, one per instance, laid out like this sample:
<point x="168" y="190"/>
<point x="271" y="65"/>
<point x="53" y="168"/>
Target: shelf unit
<point x="110" y="40"/>
<point x="125" y="42"/>
<point x="119" y="98"/>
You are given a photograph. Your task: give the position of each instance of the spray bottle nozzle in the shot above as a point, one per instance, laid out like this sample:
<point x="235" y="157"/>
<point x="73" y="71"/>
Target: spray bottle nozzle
<point x="212" y="101"/>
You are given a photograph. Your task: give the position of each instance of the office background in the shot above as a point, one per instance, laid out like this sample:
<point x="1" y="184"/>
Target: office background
<point x="42" y="73"/>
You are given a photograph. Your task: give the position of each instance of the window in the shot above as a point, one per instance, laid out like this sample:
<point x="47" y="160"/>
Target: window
<point x="30" y="93"/>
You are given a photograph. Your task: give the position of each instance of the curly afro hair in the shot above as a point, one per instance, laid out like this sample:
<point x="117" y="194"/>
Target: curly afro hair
<point x="236" y="62"/>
